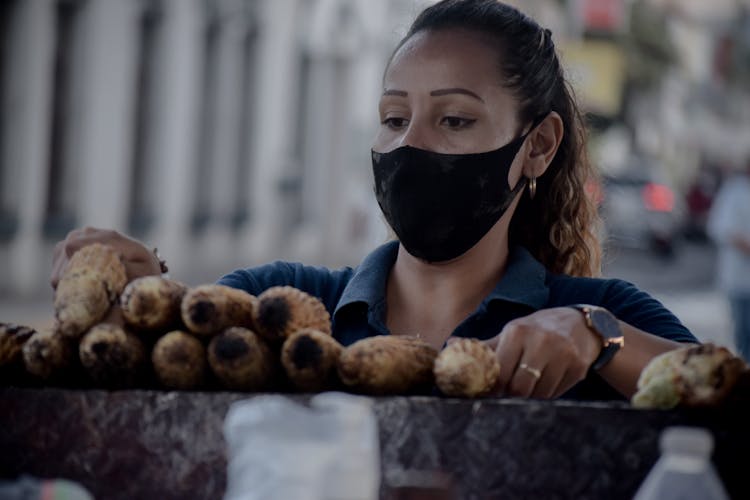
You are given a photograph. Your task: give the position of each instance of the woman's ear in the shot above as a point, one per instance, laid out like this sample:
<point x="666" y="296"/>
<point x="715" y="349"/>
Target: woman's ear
<point x="542" y="145"/>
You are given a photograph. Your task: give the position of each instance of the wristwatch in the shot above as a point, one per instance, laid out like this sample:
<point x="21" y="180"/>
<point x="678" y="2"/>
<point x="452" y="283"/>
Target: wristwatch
<point x="604" y="324"/>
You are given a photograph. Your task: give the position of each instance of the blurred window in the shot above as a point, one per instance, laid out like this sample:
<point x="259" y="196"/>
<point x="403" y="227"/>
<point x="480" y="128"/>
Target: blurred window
<point x="330" y="41"/>
<point x="227" y="106"/>
<point x="62" y="190"/>
<point x="144" y="172"/>
<point x="201" y="217"/>
<point x="292" y="184"/>
<point x="248" y="101"/>
<point x="9" y="199"/>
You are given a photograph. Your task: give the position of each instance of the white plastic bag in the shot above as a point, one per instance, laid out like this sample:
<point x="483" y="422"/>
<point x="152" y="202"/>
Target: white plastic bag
<point x="278" y="448"/>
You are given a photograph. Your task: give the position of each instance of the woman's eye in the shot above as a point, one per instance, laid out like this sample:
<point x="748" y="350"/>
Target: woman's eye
<point x="394" y="122"/>
<point x="456" y="122"/>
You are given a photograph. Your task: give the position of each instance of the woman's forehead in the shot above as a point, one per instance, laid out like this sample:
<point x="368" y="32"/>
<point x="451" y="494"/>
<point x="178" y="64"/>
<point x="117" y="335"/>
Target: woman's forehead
<point x="445" y="57"/>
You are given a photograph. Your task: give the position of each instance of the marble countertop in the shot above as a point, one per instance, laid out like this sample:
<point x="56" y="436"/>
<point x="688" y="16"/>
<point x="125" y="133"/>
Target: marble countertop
<point x="155" y="444"/>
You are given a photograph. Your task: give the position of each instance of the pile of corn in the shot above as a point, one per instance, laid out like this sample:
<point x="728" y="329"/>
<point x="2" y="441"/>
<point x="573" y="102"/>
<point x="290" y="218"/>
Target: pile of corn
<point x="167" y="335"/>
<point x="163" y="334"/>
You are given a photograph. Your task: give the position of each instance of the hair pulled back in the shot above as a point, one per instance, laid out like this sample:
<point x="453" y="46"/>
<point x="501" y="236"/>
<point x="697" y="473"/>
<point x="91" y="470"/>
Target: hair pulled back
<point x="559" y="226"/>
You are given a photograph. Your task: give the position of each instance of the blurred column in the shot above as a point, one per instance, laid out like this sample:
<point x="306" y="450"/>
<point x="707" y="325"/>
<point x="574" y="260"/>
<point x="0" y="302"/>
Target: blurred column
<point x="107" y="113"/>
<point x="364" y="229"/>
<point x="177" y="102"/>
<point x="342" y="36"/>
<point x="274" y="123"/>
<point x="30" y="83"/>
<point x="328" y="41"/>
<point x="221" y="140"/>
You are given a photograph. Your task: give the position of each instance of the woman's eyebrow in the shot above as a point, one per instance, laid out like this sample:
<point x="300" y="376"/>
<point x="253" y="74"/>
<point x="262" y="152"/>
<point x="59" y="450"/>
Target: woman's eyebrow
<point x="436" y="93"/>
<point x="455" y="90"/>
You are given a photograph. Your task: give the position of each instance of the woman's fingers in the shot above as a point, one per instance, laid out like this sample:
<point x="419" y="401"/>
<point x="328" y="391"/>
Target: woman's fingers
<point x="58" y="262"/>
<point x="552" y="376"/>
<point x="508" y="350"/>
<point x="62" y="253"/>
<point x="138" y="259"/>
<point x="524" y="380"/>
<point x="544" y="354"/>
<point x="573" y="375"/>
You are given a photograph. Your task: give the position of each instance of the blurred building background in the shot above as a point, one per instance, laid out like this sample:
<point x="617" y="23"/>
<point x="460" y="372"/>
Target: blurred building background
<point x="225" y="132"/>
<point x="233" y="132"/>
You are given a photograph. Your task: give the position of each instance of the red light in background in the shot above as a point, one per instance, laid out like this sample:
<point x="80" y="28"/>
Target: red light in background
<point x="594" y="191"/>
<point x="602" y="15"/>
<point x="658" y="198"/>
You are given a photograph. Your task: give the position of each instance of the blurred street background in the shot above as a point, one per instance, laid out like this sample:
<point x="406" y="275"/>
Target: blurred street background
<point x="229" y="133"/>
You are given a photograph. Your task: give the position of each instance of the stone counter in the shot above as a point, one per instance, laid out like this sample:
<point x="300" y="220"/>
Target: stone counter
<point x="150" y="444"/>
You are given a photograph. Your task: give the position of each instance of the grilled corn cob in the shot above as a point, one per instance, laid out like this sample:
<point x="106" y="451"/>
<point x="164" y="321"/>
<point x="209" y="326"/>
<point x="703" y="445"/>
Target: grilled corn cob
<point x="93" y="280"/>
<point x="152" y="303"/>
<point x="466" y="368"/>
<point x="12" y="339"/>
<point x="112" y="356"/>
<point x="241" y="360"/>
<point x="48" y="355"/>
<point x="283" y="310"/>
<point x="179" y="360"/>
<point x="387" y="364"/>
<point x="210" y="309"/>
<point x="699" y="375"/>
<point x="309" y="358"/>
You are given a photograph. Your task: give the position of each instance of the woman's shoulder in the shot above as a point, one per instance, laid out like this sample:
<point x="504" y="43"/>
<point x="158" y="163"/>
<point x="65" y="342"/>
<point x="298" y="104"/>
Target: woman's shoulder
<point x="322" y="282"/>
<point x="595" y="290"/>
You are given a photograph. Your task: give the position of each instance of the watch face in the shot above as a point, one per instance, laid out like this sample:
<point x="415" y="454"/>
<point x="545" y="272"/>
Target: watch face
<point x="605" y="323"/>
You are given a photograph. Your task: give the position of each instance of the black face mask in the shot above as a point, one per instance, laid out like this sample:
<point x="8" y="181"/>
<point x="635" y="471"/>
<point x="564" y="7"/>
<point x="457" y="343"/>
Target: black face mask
<point x="441" y="205"/>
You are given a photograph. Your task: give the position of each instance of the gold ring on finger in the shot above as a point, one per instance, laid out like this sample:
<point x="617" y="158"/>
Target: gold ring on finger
<point x="537" y="374"/>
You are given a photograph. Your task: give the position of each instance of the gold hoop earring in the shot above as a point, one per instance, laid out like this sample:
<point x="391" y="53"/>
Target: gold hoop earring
<point x="532" y="188"/>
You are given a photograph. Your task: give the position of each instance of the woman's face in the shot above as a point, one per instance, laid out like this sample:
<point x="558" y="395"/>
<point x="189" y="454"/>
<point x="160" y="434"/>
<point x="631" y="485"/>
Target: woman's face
<point x="442" y="93"/>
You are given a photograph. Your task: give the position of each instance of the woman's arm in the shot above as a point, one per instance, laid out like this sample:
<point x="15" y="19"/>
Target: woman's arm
<point x="623" y="370"/>
<point x="546" y="353"/>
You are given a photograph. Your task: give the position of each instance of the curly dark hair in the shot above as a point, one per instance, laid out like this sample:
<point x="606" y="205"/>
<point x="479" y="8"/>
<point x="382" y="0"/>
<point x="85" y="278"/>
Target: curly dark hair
<point x="560" y="225"/>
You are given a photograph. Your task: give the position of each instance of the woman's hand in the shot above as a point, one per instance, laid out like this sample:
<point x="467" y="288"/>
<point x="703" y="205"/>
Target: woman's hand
<point x="544" y="354"/>
<point x="138" y="259"/>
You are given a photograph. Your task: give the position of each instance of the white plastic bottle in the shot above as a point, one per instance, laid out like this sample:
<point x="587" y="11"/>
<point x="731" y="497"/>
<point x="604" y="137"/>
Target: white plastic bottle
<point x="684" y="470"/>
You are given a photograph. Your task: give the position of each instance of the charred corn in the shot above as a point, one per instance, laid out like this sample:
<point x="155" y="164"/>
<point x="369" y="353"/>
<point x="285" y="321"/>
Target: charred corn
<point x="309" y="358"/>
<point x="466" y="368"/>
<point x="48" y="355"/>
<point x="387" y="364"/>
<point x="241" y="360"/>
<point x="12" y="339"/>
<point x="179" y="360"/>
<point x="210" y="309"/>
<point x="699" y="375"/>
<point x="112" y="356"/>
<point x="92" y="282"/>
<point x="152" y="303"/>
<point x="283" y="310"/>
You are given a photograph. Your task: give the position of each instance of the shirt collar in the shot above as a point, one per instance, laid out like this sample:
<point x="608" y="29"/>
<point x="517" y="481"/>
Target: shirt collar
<point x="524" y="281"/>
<point x="368" y="282"/>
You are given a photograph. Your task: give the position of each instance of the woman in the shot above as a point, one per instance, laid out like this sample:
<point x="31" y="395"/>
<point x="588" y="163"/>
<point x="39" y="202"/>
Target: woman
<point x="479" y="168"/>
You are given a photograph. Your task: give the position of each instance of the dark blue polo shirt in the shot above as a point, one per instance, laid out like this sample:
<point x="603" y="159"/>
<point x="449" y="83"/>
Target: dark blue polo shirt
<point x="356" y="300"/>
